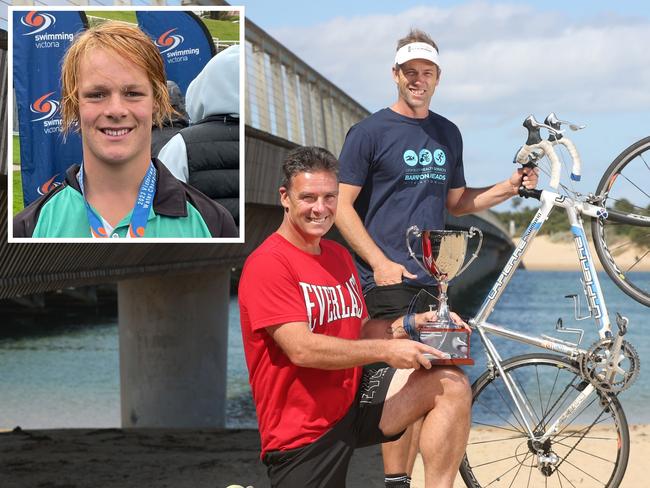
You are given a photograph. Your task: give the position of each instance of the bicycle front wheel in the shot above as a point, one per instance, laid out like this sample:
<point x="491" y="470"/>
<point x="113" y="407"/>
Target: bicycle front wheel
<point x="590" y="448"/>
<point x="622" y="240"/>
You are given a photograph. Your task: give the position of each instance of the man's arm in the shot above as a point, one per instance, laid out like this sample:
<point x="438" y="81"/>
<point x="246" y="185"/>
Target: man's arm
<point x="309" y="350"/>
<point x="352" y="229"/>
<point x="461" y="201"/>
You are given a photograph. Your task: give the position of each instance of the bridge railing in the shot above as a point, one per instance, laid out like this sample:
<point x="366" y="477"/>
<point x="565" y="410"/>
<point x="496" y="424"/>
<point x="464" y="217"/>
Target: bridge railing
<point x="287" y="98"/>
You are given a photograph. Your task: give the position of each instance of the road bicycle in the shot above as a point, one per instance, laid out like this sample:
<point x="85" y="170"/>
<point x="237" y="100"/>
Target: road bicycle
<point x="553" y="418"/>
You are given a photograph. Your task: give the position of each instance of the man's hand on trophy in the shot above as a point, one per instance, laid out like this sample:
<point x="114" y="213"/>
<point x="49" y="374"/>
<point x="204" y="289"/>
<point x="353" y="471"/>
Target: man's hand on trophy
<point x="390" y="273"/>
<point x="422" y="319"/>
<point x="411" y="354"/>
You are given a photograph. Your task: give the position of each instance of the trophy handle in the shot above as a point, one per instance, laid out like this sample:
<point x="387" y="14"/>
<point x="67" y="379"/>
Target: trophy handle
<point x="472" y="232"/>
<point x="415" y="230"/>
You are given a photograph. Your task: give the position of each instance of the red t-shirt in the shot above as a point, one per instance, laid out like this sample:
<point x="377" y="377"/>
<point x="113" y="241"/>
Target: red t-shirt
<point x="279" y="284"/>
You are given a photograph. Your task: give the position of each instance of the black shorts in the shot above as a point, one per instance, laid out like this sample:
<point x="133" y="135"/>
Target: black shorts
<point x="324" y="462"/>
<point x="392" y="301"/>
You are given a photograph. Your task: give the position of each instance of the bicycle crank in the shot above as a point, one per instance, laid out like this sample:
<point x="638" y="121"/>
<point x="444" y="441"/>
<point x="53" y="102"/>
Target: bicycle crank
<point x="610" y="373"/>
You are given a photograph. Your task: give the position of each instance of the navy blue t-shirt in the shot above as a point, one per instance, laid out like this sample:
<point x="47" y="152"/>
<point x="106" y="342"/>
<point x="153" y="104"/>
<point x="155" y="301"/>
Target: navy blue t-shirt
<point x="405" y="167"/>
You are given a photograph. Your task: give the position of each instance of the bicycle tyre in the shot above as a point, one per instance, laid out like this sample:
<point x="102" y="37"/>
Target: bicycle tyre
<point x="490" y="460"/>
<point x="613" y="187"/>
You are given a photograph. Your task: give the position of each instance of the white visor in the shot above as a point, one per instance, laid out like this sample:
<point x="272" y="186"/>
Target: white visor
<point x="417" y="50"/>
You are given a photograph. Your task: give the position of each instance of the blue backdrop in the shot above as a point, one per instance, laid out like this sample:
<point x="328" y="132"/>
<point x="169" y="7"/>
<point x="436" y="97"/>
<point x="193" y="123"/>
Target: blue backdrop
<point x="183" y="40"/>
<point x="40" y="40"/>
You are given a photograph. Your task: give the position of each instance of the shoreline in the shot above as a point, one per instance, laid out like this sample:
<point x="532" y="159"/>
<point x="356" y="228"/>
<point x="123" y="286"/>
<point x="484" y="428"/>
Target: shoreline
<point x="201" y="458"/>
<point x="558" y="253"/>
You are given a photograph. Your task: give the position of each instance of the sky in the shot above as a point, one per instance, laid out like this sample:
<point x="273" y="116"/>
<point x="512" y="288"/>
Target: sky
<point x="587" y="61"/>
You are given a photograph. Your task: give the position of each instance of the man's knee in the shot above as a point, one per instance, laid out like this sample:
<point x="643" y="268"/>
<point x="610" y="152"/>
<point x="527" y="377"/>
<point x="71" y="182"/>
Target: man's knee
<point x="453" y="385"/>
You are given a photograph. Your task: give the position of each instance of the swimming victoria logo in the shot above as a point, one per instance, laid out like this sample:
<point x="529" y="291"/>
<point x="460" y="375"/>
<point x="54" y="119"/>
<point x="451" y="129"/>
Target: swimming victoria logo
<point x="168" y="43"/>
<point x="44" y="108"/>
<point x="39" y="22"/>
<point x="425" y="166"/>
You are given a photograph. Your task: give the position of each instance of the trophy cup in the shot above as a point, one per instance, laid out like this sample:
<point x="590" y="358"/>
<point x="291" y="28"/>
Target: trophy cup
<point x="443" y="255"/>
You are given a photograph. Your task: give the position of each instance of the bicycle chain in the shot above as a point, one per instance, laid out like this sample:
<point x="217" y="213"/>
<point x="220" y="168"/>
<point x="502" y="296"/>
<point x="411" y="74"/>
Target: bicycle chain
<point x="593" y="366"/>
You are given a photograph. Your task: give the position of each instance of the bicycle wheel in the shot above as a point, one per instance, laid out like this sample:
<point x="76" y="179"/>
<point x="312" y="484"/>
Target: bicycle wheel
<point x="622" y="240"/>
<point x="590" y="449"/>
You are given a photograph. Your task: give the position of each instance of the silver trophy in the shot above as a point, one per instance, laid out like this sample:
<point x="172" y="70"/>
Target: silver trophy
<point x="443" y="255"/>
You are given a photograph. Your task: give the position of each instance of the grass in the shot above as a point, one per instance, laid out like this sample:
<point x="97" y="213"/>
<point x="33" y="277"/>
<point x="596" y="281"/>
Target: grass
<point x="123" y="16"/>
<point x="221" y="29"/>
<point x="16" y="150"/>
<point x="17" y="183"/>
<point x="18" y="192"/>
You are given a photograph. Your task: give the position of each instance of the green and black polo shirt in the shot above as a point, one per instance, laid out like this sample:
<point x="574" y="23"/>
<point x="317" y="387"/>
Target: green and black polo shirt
<point x="178" y="210"/>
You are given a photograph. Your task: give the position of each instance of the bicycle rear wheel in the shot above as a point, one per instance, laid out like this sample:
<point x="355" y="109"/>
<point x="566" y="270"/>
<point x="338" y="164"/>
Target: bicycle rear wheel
<point x="622" y="240"/>
<point x="590" y="449"/>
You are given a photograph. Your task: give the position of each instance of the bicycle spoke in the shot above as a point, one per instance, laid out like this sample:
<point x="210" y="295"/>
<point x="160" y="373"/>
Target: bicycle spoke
<point x="634" y="184"/>
<point x="566" y="456"/>
<point x="550" y="395"/>
<point x="582" y="471"/>
<point x="638" y="260"/>
<point x="496" y="440"/>
<point x="495" y="461"/>
<point x="522" y="390"/>
<point x="624" y="244"/>
<point x="522" y="427"/>
<point x="515" y="476"/>
<point x="514" y="427"/>
<point x="644" y="161"/>
<point x="559" y="479"/>
<point x="498" y="478"/>
<point x="494" y="426"/>
<point x="539" y="391"/>
<point x="584" y="408"/>
<point x="587" y="452"/>
<point x="561" y="400"/>
<point x="565" y="477"/>
<point x="616" y="200"/>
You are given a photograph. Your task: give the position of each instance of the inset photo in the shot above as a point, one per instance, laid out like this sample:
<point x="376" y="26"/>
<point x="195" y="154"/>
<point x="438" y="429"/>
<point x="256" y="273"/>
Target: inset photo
<point x="126" y="123"/>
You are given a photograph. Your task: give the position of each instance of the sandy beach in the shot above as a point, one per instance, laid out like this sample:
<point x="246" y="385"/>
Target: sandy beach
<point x="112" y="458"/>
<point x="558" y="253"/>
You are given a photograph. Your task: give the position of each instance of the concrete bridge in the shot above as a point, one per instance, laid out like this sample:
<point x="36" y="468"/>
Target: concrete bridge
<point x="173" y="298"/>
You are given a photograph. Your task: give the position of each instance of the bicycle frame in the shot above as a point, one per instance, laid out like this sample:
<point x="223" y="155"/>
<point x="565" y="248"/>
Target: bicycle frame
<point x="595" y="298"/>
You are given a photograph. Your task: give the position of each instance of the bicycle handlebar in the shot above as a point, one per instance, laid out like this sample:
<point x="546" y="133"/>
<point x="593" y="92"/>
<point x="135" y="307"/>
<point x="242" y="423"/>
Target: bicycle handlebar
<point x="536" y="147"/>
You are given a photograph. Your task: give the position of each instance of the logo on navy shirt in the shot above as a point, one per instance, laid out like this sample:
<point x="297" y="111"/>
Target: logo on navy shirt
<point x="420" y="169"/>
<point x="439" y="157"/>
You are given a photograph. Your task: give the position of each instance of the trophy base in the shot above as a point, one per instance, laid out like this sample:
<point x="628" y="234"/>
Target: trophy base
<point x="453" y="341"/>
<point x="435" y="361"/>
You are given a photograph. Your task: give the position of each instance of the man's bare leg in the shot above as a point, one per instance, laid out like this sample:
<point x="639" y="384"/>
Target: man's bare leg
<point x="399" y="456"/>
<point x="443" y="397"/>
<point x="395" y="454"/>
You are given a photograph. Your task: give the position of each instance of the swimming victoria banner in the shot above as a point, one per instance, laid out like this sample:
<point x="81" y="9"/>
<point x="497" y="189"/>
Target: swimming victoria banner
<point x="40" y="40"/>
<point x="184" y="42"/>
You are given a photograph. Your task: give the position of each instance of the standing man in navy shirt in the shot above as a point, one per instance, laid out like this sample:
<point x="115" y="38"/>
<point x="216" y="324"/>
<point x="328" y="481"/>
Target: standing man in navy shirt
<point x="402" y="166"/>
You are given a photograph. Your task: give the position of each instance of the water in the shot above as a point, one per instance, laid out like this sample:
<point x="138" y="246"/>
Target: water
<point x="66" y="374"/>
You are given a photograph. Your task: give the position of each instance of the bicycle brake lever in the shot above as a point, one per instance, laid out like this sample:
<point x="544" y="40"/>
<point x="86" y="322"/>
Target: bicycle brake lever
<point x="556" y="123"/>
<point x="532" y="126"/>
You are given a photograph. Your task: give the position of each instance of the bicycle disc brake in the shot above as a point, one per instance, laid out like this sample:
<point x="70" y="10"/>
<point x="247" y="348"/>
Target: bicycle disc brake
<point x="597" y="364"/>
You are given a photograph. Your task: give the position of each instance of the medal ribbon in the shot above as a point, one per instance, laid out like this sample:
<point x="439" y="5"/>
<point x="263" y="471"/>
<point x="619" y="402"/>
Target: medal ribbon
<point x="139" y="215"/>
